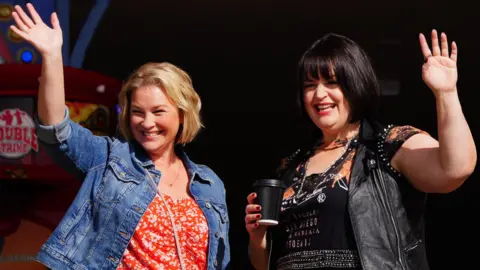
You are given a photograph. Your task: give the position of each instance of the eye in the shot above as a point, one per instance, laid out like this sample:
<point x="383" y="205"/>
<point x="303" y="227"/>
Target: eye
<point x="332" y="82"/>
<point x="309" y="86"/>
<point x="159" y="111"/>
<point x="135" y="111"/>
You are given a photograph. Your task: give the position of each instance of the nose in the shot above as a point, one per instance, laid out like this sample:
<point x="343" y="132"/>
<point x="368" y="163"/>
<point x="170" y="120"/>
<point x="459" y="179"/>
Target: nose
<point x="320" y="92"/>
<point x="148" y="122"/>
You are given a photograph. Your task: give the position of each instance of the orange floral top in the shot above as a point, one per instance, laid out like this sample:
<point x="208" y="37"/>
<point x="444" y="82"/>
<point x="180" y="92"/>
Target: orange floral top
<point x="153" y="244"/>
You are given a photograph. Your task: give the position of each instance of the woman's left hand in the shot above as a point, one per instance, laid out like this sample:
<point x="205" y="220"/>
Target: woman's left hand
<point x="439" y="71"/>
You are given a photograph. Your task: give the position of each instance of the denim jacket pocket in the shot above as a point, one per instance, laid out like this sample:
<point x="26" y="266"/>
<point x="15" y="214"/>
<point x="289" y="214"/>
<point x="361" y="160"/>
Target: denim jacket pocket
<point x="77" y="224"/>
<point x="117" y="182"/>
<point x="221" y="210"/>
<point x="122" y="173"/>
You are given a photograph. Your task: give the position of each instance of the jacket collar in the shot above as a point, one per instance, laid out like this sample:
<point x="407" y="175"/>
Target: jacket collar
<point x="140" y="156"/>
<point x="369" y="130"/>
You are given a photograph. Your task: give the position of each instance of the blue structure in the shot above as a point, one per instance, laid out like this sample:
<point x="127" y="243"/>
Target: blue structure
<point x="14" y="50"/>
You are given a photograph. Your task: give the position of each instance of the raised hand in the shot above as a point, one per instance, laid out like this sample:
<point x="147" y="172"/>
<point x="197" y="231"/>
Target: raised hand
<point x="439" y="71"/>
<point x="33" y="30"/>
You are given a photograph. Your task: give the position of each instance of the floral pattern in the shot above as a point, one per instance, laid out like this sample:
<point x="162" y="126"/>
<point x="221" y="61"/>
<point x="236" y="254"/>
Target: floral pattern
<point x="153" y="244"/>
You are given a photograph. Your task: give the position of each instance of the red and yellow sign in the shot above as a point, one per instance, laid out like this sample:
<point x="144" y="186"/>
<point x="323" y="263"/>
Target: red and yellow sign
<point x="17" y="134"/>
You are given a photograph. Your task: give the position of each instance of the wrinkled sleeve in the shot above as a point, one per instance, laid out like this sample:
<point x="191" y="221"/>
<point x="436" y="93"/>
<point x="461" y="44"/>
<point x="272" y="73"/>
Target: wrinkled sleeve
<point x="55" y="133"/>
<point x="73" y="146"/>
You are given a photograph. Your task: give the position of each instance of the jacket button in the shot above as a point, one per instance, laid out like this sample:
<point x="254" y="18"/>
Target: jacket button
<point x="208" y="205"/>
<point x="215" y="263"/>
<point x="217" y="234"/>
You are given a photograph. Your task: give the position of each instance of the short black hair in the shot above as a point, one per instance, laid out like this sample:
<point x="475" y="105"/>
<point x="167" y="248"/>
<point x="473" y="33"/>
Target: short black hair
<point x="352" y="69"/>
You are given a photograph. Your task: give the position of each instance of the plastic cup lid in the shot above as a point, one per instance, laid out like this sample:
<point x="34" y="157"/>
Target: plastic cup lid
<point x="270" y="183"/>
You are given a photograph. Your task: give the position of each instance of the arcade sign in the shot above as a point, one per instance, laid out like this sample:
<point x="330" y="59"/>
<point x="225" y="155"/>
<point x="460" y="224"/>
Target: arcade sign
<point x="17" y="134"/>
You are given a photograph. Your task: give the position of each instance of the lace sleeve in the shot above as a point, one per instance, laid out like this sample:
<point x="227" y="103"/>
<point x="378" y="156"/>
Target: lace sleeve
<point x="392" y="139"/>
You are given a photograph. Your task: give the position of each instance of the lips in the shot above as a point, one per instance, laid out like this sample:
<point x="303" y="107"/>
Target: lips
<point x="151" y="134"/>
<point x="324" y="107"/>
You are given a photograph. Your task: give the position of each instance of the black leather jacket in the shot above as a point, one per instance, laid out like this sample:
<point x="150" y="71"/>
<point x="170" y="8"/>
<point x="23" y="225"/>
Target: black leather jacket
<point x="386" y="211"/>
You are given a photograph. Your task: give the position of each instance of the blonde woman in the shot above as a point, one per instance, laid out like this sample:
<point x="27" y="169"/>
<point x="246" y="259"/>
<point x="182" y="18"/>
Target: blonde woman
<point x="143" y="203"/>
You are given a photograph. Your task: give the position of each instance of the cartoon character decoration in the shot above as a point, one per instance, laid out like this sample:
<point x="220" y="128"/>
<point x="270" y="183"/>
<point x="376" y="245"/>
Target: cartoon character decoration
<point x="92" y="116"/>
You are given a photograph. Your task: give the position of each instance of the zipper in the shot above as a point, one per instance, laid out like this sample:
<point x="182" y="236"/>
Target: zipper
<point x="354" y="225"/>
<point x="373" y="165"/>
<point x="414" y="246"/>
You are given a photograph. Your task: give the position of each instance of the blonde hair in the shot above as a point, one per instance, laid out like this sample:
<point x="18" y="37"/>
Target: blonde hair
<point x="178" y="86"/>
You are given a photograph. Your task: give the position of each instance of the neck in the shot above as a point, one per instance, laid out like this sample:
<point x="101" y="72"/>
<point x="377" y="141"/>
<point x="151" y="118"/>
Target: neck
<point x="346" y="131"/>
<point x="164" y="157"/>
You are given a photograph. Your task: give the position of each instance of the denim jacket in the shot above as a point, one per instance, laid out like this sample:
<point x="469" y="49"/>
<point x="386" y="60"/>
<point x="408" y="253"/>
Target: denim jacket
<point x="114" y="195"/>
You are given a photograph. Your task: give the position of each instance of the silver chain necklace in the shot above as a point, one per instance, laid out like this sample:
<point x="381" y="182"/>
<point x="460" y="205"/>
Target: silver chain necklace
<point x="176" y="176"/>
<point x="311" y="153"/>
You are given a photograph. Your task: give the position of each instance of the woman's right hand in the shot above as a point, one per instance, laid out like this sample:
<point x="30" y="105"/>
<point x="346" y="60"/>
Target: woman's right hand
<point x="256" y="231"/>
<point x="48" y="41"/>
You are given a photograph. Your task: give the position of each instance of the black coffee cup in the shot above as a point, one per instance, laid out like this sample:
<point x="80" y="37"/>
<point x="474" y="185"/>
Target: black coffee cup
<point x="269" y="197"/>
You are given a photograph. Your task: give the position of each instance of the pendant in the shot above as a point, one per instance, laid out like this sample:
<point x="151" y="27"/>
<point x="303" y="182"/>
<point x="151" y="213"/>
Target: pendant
<point x="321" y="197"/>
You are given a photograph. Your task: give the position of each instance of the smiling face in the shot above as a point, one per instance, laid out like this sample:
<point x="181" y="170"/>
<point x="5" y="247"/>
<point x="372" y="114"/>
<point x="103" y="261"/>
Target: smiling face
<point x="337" y="84"/>
<point x="326" y="104"/>
<point x="154" y="119"/>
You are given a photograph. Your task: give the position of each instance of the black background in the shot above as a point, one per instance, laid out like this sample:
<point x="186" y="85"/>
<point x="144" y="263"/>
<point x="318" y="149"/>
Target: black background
<point x="242" y="54"/>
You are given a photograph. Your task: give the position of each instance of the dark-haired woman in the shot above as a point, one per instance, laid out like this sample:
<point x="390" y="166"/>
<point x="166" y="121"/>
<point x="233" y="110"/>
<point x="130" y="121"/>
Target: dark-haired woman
<point x="356" y="196"/>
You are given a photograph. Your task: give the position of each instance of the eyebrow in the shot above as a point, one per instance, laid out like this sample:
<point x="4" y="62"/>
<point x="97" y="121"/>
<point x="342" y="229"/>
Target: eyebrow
<point x="133" y="106"/>
<point x="310" y="79"/>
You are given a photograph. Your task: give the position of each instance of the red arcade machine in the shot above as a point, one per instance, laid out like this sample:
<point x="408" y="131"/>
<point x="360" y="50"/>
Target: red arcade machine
<point x="34" y="191"/>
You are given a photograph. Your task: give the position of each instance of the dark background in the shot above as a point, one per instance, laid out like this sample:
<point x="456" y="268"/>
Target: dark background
<point x="242" y="55"/>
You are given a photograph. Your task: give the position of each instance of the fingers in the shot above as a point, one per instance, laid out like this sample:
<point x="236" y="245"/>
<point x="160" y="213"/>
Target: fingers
<point x="454" y="54"/>
<point x="252" y="215"/>
<point x="252" y="218"/>
<point x="18" y="32"/>
<point x="251" y="198"/>
<point x="54" y="20"/>
<point x="438" y="49"/>
<point x="251" y="222"/>
<point x="24" y="17"/>
<point x="424" y="46"/>
<point x="33" y="13"/>
<point x="435" y="45"/>
<point x="252" y="208"/>
<point x="252" y="226"/>
<point x="444" y="44"/>
<point x="18" y="21"/>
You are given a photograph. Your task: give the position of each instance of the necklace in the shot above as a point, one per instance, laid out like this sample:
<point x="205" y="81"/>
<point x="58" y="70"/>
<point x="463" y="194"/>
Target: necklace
<point x="335" y="144"/>
<point x="343" y="142"/>
<point x="176" y="176"/>
<point x="351" y="142"/>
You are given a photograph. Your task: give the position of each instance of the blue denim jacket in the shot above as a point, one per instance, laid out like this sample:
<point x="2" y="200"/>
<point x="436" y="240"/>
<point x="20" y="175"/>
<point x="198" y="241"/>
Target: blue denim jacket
<point x="115" y="193"/>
